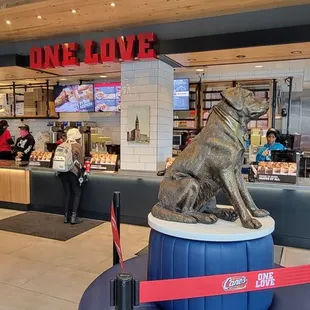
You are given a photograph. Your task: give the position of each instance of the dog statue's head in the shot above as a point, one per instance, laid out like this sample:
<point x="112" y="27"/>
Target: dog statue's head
<point x="245" y="102"/>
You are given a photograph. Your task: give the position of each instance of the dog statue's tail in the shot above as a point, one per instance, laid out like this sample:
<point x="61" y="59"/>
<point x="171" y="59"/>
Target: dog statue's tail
<point x="164" y="214"/>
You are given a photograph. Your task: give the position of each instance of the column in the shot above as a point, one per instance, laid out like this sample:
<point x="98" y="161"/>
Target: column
<point x="146" y="84"/>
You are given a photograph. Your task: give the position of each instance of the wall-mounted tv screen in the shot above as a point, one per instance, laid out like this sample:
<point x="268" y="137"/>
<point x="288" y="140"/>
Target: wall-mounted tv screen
<point x="181" y="94"/>
<point x="74" y="98"/>
<point x="107" y="97"/>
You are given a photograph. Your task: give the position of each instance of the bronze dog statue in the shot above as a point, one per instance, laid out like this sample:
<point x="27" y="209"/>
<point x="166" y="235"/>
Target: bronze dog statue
<point x="213" y="161"/>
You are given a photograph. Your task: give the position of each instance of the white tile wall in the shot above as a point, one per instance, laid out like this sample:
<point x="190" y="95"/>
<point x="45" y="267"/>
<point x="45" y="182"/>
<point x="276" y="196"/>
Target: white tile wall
<point x="150" y="83"/>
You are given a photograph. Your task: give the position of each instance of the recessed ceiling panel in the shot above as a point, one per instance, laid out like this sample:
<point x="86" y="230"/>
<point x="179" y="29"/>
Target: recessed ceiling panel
<point x="32" y="19"/>
<point x="20" y="73"/>
<point x="244" y="55"/>
<point x="85" y="69"/>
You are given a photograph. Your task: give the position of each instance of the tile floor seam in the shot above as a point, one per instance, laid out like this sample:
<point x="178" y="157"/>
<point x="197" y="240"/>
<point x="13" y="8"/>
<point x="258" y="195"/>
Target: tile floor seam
<point x="20" y="249"/>
<point x="105" y="260"/>
<point x="38" y="261"/>
<point x="40" y="293"/>
<point x="40" y="275"/>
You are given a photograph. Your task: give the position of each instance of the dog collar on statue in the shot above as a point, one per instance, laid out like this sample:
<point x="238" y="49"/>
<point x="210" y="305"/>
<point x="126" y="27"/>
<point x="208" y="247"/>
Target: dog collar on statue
<point x="240" y="131"/>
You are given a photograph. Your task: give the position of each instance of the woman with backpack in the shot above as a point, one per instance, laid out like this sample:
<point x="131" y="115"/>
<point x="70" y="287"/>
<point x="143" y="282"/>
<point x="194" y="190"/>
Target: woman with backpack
<point x="70" y="179"/>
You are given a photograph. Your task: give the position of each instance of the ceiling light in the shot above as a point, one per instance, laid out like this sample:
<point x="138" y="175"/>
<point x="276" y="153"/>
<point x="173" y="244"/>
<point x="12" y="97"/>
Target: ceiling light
<point x="241" y="56"/>
<point x="296" y="52"/>
<point x="259" y="66"/>
<point x="63" y="79"/>
<point x="103" y="76"/>
<point x="200" y="70"/>
<point x="113" y="4"/>
<point x="73" y="11"/>
<point x="8" y="22"/>
<point x="39" y="17"/>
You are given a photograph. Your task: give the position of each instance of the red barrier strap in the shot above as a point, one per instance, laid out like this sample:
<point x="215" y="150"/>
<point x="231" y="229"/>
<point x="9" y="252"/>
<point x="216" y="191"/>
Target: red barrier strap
<point x="174" y="289"/>
<point x="116" y="237"/>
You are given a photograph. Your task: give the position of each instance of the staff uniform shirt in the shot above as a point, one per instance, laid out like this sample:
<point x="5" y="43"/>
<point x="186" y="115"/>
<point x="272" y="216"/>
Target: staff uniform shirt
<point x="25" y="145"/>
<point x="274" y="147"/>
<point x="4" y="145"/>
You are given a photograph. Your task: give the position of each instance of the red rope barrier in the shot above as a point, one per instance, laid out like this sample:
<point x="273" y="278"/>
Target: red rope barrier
<point x="116" y="238"/>
<point x="174" y="289"/>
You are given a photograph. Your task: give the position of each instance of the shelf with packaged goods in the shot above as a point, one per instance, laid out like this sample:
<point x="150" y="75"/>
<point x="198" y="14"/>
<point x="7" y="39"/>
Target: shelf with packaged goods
<point x="184" y="129"/>
<point x="211" y="95"/>
<point x="28" y="101"/>
<point x="31" y="117"/>
<point x="184" y="119"/>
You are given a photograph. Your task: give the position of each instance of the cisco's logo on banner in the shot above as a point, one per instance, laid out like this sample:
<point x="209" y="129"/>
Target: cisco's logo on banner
<point x="235" y="283"/>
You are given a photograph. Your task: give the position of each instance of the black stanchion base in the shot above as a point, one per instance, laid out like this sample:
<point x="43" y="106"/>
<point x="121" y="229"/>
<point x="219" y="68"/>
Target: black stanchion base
<point x="97" y="295"/>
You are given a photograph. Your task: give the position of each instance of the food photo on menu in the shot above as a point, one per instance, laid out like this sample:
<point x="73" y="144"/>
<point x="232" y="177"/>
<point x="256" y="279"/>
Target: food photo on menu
<point x="103" y="159"/>
<point x="277" y="168"/>
<point x="74" y="98"/>
<point x="107" y="97"/>
<point x="41" y="156"/>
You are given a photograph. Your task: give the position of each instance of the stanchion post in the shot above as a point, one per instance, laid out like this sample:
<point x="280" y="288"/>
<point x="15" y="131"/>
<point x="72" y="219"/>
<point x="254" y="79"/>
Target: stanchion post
<point x="124" y="292"/>
<point x="117" y="211"/>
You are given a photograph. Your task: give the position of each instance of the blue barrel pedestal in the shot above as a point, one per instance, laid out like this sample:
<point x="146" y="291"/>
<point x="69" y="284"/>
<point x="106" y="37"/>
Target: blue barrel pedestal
<point x="179" y="250"/>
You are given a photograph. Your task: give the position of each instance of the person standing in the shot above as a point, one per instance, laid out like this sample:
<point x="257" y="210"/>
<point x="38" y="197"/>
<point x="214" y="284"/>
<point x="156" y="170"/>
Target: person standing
<point x="6" y="141"/>
<point x="70" y="179"/>
<point x="264" y="154"/>
<point x="24" y="144"/>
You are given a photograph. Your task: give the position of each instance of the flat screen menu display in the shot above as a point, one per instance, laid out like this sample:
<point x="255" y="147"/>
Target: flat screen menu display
<point x="107" y="97"/>
<point x="74" y="98"/>
<point x="181" y="94"/>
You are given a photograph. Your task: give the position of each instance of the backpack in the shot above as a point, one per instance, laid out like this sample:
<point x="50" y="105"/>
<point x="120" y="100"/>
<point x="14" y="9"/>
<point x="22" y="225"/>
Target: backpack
<point x="63" y="158"/>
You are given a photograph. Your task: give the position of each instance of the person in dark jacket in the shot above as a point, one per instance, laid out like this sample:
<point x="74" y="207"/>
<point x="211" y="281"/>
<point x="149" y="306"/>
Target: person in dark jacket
<point x="24" y="144"/>
<point x="6" y="141"/>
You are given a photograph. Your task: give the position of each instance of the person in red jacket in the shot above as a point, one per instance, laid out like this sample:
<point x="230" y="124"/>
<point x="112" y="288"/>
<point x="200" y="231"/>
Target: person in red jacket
<point x="6" y="141"/>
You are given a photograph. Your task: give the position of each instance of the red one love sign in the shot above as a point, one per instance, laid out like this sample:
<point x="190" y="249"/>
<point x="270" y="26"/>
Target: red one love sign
<point x="124" y="48"/>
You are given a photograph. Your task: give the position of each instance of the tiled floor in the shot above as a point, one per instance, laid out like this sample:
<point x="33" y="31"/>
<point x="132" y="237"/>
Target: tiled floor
<point x="42" y="274"/>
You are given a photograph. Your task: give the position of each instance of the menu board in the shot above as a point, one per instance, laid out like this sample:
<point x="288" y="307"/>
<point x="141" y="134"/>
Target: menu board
<point x="104" y="162"/>
<point x="74" y="98"/>
<point x="280" y="172"/>
<point x="181" y="94"/>
<point x="107" y="97"/>
<point x="40" y="159"/>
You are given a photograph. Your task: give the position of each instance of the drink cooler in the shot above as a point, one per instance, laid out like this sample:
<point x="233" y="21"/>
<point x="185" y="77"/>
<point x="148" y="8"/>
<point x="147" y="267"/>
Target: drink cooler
<point x="172" y="257"/>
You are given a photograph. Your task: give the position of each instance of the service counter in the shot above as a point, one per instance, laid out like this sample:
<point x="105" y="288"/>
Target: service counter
<point x="288" y="204"/>
<point x="15" y="185"/>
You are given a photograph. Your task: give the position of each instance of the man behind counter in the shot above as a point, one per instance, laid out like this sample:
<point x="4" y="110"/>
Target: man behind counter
<point x="24" y="144"/>
<point x="264" y="154"/>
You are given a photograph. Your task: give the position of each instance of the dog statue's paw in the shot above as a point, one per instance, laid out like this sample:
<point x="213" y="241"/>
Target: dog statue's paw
<point x="189" y="219"/>
<point x="210" y="219"/>
<point x="204" y="218"/>
<point x="227" y="214"/>
<point x="260" y="213"/>
<point x="252" y="224"/>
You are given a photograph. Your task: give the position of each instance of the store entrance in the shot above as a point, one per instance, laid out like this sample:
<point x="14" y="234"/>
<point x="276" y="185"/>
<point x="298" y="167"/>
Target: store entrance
<point x="277" y="74"/>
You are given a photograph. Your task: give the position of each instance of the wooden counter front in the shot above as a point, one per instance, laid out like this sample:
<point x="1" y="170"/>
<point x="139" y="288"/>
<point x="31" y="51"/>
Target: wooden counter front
<point x="15" y="186"/>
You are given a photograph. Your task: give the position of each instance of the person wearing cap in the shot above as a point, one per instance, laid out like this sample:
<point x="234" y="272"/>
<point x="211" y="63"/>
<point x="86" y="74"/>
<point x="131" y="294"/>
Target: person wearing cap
<point x="24" y="144"/>
<point x="264" y="154"/>
<point x="6" y="141"/>
<point x="70" y="180"/>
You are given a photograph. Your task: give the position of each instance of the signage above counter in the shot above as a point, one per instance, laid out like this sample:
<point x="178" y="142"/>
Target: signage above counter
<point x="124" y="48"/>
